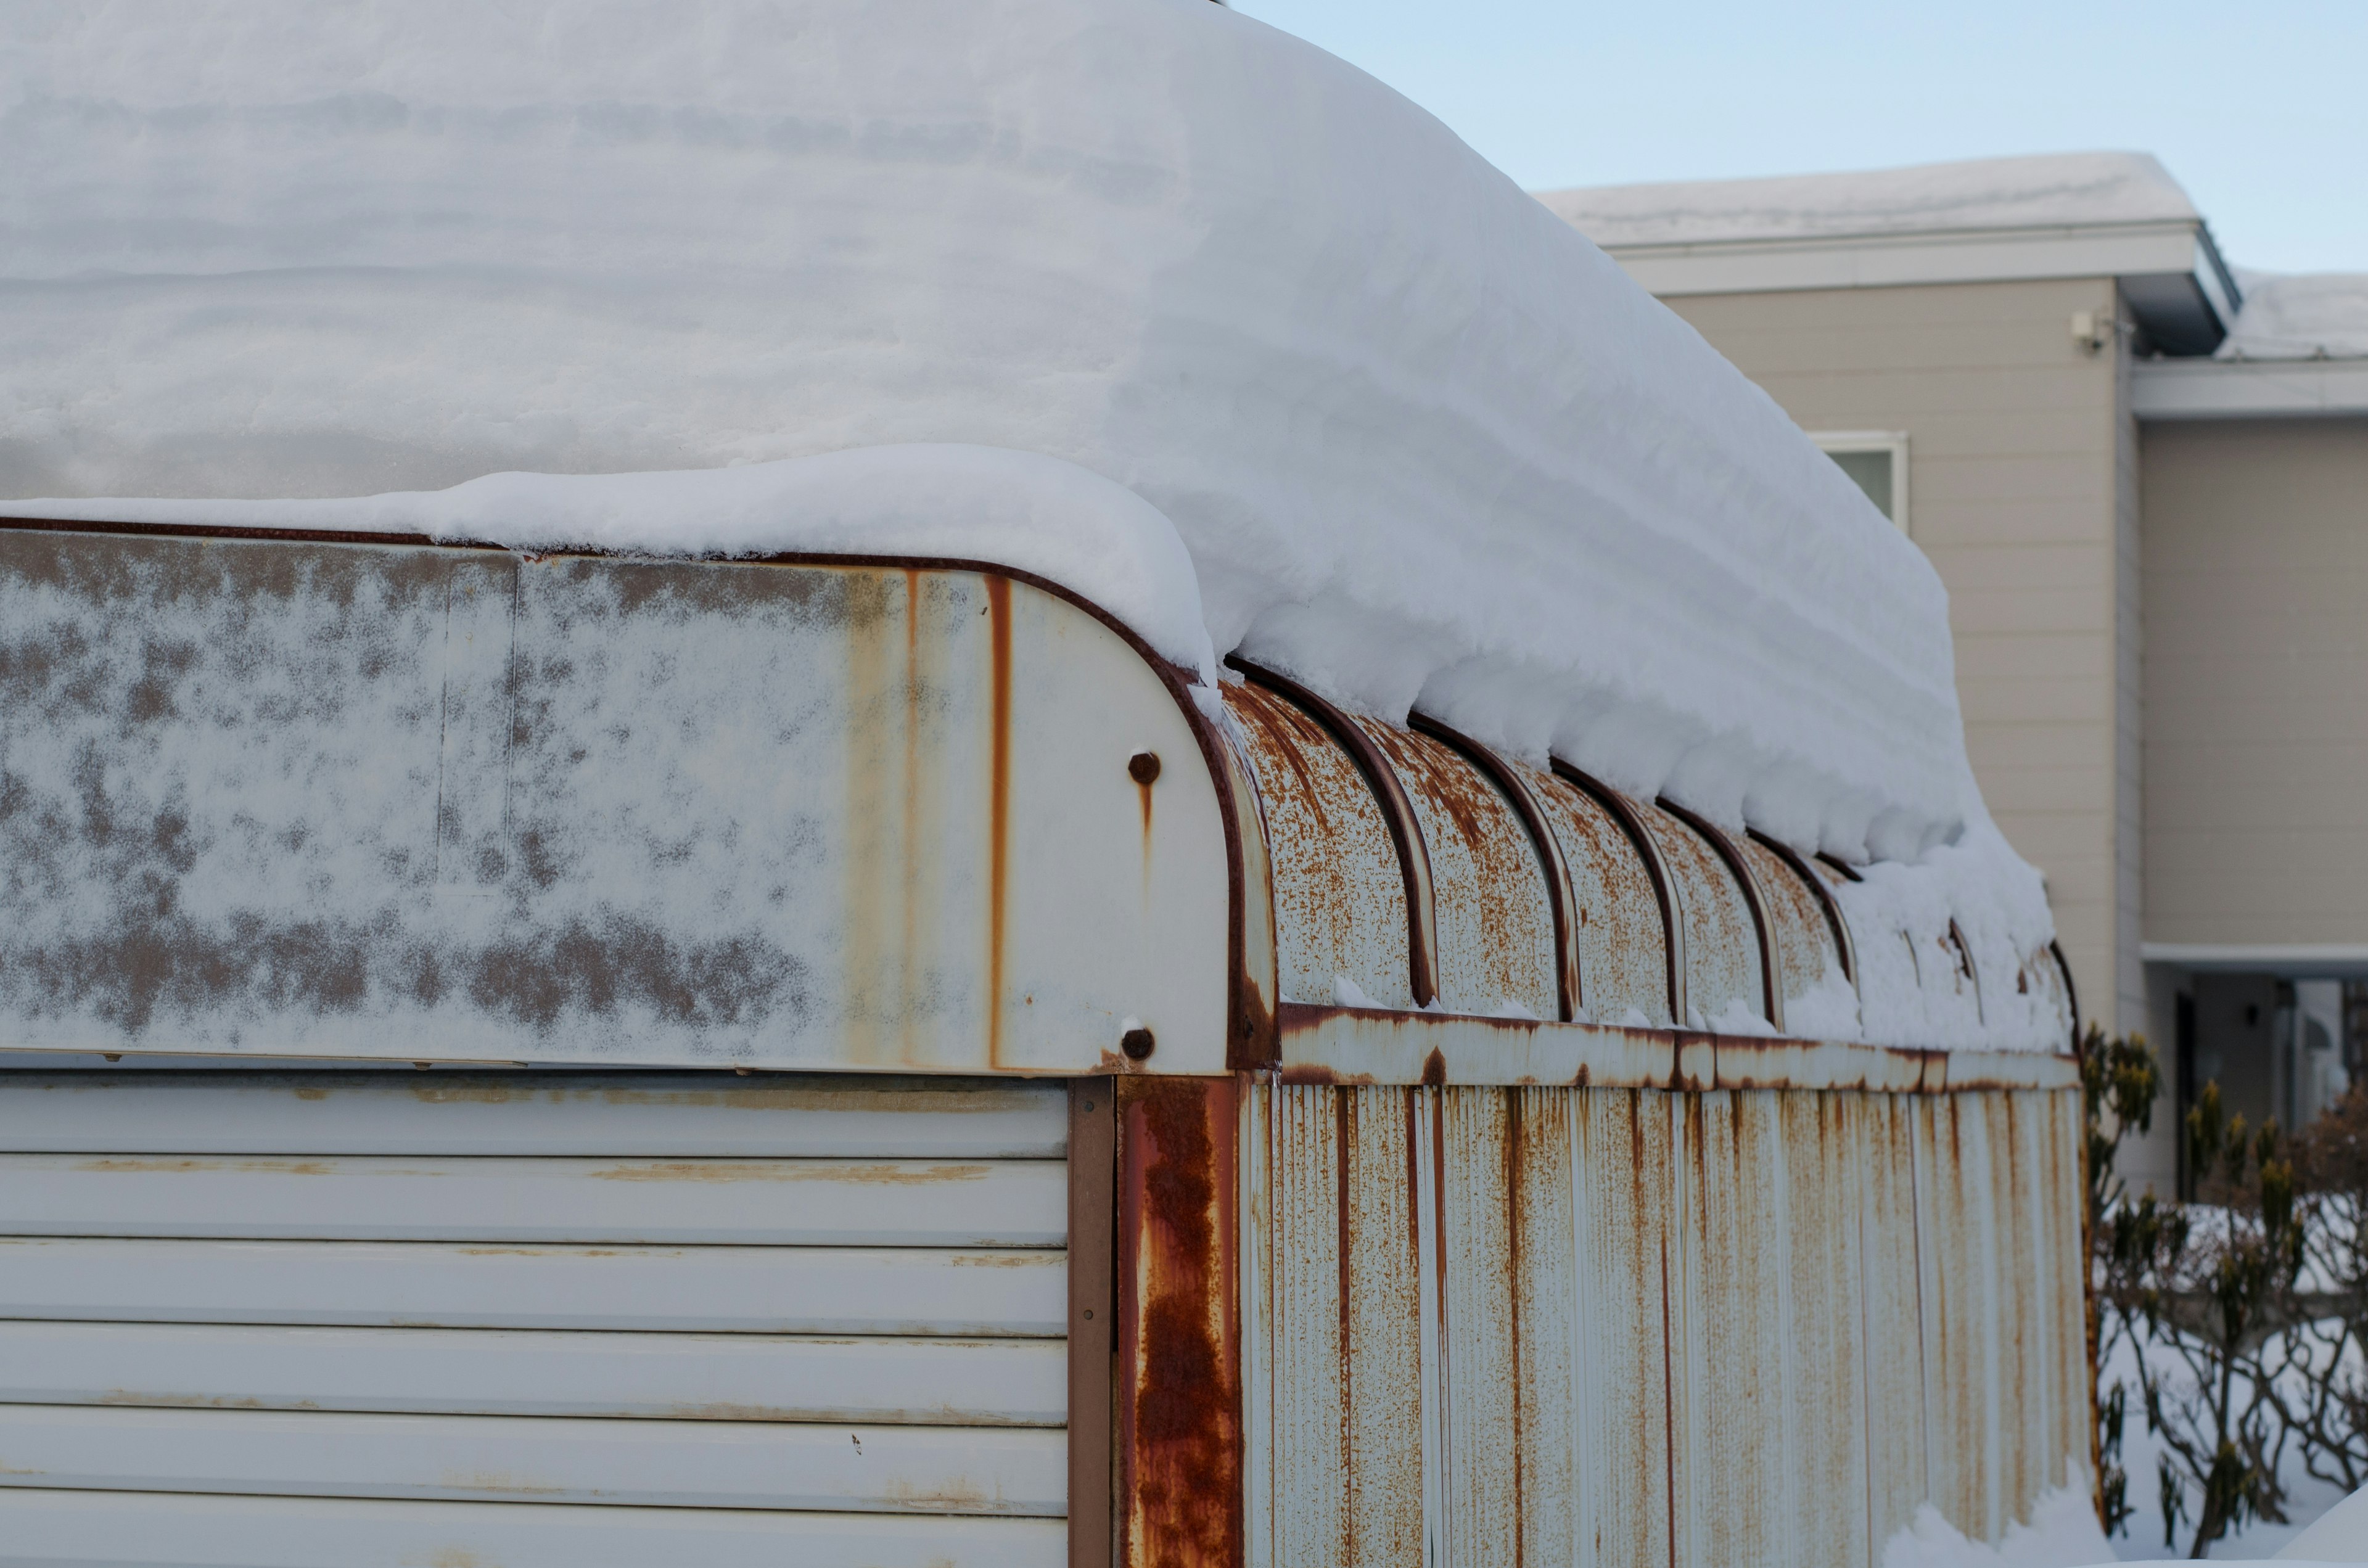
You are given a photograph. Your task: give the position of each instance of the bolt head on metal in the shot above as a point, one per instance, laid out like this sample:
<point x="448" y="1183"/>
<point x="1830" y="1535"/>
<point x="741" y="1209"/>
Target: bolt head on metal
<point x="1143" y="766"/>
<point x="1137" y="1044"/>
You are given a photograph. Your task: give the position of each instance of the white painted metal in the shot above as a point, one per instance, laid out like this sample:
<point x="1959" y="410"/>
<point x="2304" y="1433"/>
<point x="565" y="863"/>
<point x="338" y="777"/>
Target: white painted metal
<point x="225" y="1335"/>
<point x="712" y="1289"/>
<point x="714" y="1376"/>
<point x="684" y="1464"/>
<point x="46" y="1528"/>
<point x="600" y="812"/>
<point x="1001" y="1203"/>
<point x="619" y="1115"/>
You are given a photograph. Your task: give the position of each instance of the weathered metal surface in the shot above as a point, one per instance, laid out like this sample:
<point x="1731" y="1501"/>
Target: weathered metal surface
<point x="1810" y="957"/>
<point x="118" y="1530"/>
<point x="452" y="1372"/>
<point x="1891" y="1313"/>
<point x="691" y="1464"/>
<point x="1723" y="980"/>
<point x="335" y="799"/>
<point x="1092" y="1349"/>
<point x="1493" y="911"/>
<point x="1666" y="1327"/>
<point x="637" y="1115"/>
<point x="1257" y="987"/>
<point x="1354" y="1045"/>
<point x="1340" y="890"/>
<point x="1623" y="943"/>
<point x="686" y="1202"/>
<point x="1510" y="781"/>
<point x="721" y="1289"/>
<point x="1181" y="1388"/>
<point x="1746" y="878"/>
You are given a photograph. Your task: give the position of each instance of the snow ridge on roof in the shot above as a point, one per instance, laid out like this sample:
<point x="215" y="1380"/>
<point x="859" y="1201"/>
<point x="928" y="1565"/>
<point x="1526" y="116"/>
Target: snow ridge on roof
<point x="2313" y="315"/>
<point x="2058" y="190"/>
<point x="1420" y="442"/>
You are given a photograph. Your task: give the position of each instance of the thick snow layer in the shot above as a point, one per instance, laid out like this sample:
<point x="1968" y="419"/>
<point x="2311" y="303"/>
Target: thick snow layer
<point x="1989" y="193"/>
<point x="1422" y="443"/>
<point x="2300" y="316"/>
<point x="2063" y="1533"/>
<point x="1017" y="509"/>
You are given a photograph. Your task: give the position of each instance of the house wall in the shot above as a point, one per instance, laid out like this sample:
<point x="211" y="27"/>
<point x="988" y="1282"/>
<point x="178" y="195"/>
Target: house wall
<point x="2257" y="712"/>
<point x="2021" y="445"/>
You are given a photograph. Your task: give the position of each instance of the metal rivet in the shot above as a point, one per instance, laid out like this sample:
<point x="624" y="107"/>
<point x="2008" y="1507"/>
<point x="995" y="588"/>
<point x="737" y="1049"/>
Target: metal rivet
<point x="1143" y="766"/>
<point x="1089" y="1105"/>
<point x="1090" y="1315"/>
<point x="1136" y="1043"/>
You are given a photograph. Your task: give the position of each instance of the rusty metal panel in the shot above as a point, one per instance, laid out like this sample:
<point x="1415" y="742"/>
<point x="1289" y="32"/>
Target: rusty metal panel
<point x="1724" y="987"/>
<point x="1827" y="1435"/>
<point x="1957" y="1243"/>
<point x="1478" y="1168"/>
<point x="1734" y="1357"/>
<point x="2058" y="1198"/>
<point x="1624" y="1165"/>
<point x="1547" y="1425"/>
<point x="1340" y="890"/>
<point x="1624" y="949"/>
<point x="1883" y="1171"/>
<point x="331" y="799"/>
<point x="1179" y="1420"/>
<point x="1817" y="978"/>
<point x="1493" y="912"/>
<point x="2034" y="1193"/>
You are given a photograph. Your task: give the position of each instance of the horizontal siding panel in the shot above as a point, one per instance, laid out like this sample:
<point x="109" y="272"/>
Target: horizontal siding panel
<point x="1006" y="1383"/>
<point x="711" y="1115"/>
<point x="717" y="1289"/>
<point x="1021" y="1203"/>
<point x="43" y="1529"/>
<point x="690" y="1464"/>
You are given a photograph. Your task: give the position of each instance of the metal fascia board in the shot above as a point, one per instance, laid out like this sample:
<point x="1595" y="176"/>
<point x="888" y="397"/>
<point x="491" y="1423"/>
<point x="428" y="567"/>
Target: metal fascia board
<point x="2248" y="389"/>
<point x="1742" y="267"/>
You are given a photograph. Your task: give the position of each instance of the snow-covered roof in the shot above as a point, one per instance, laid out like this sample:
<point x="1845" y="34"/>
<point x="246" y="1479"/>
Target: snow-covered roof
<point x="2317" y="316"/>
<point x="1422" y="443"/>
<point x="2083" y="189"/>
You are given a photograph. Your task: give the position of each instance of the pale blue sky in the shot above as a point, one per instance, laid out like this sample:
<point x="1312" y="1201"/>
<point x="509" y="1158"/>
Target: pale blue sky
<point x="2260" y="107"/>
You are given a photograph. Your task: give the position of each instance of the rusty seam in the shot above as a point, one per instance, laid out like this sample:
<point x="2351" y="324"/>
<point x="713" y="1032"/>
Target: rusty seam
<point x="1169" y="675"/>
<point x="1755" y="898"/>
<point x="1665" y="886"/>
<point x="1397" y="811"/>
<point x="2071" y="992"/>
<point x="1559" y="893"/>
<point x="1849" y="872"/>
<point x="1826" y="900"/>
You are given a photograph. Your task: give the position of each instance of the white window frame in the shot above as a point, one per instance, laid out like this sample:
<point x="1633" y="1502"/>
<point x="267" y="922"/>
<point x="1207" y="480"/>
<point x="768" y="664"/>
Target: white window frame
<point x="1891" y="441"/>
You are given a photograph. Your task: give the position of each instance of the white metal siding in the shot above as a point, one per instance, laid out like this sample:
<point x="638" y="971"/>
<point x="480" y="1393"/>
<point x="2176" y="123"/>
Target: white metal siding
<point x="346" y="1318"/>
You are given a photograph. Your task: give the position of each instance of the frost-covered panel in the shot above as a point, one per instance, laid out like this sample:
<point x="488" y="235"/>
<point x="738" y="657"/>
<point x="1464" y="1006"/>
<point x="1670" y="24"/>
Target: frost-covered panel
<point x="356" y="799"/>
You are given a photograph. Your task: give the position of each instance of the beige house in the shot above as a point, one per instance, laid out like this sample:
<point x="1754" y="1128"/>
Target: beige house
<point x="2144" y="477"/>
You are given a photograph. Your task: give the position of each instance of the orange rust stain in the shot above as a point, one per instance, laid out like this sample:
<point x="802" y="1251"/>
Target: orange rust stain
<point x="998" y="603"/>
<point x="120" y="1166"/>
<point x="1144" y="791"/>
<point x="1182" y="1428"/>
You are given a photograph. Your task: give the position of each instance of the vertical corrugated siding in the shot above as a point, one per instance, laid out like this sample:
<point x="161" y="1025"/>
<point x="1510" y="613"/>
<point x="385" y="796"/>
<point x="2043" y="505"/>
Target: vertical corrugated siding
<point x="1756" y="1326"/>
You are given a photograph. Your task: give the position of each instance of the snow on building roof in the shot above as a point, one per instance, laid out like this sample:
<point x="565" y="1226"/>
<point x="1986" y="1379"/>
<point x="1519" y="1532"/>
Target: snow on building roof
<point x="2082" y="189"/>
<point x="2321" y="315"/>
<point x="1420" y="441"/>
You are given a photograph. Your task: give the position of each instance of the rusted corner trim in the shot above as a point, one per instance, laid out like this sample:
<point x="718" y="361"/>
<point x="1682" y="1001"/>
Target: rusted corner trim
<point x="1174" y="676"/>
<point x="1333" y="1045"/>
<point x="1559" y="893"/>
<point x="1772" y="964"/>
<point x="2071" y="992"/>
<point x="1397" y="811"/>
<point x="1823" y="895"/>
<point x="1665" y="884"/>
<point x="1093" y="1320"/>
